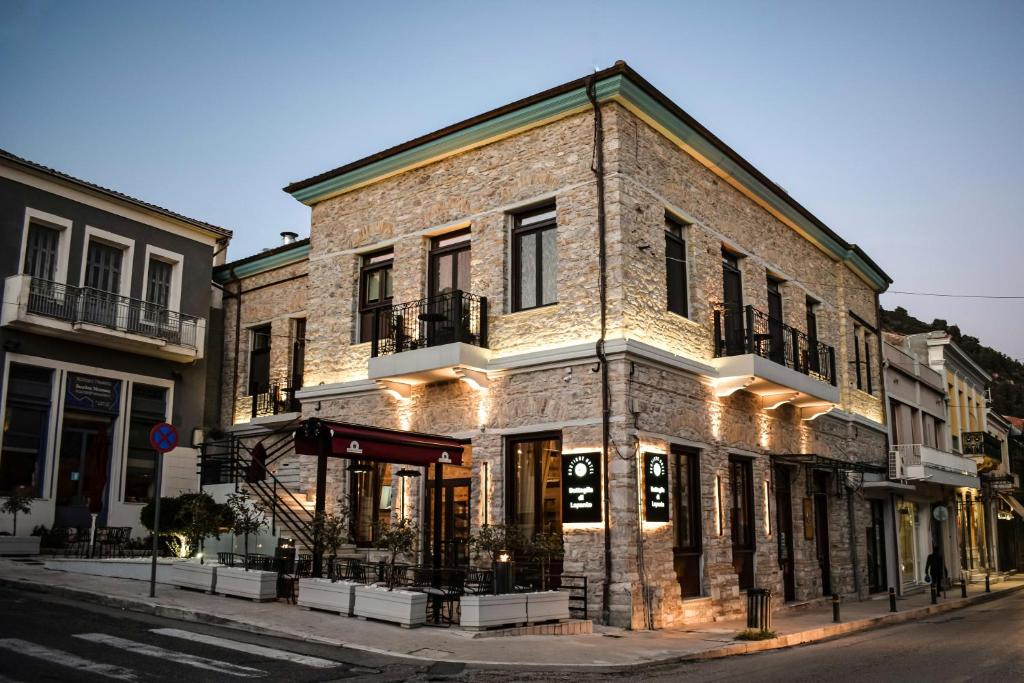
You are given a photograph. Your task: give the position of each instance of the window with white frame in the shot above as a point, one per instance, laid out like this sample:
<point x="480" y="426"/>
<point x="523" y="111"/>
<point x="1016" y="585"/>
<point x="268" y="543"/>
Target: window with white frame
<point x="108" y="261"/>
<point x="44" y="246"/>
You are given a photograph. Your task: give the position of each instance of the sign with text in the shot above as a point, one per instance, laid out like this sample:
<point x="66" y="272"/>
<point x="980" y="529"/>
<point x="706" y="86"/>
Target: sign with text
<point x="95" y="394"/>
<point x="656" y="487"/>
<point x="581" y="488"/>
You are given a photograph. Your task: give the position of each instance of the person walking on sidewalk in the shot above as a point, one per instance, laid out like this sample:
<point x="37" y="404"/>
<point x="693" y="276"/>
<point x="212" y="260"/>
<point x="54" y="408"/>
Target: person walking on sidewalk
<point x="935" y="568"/>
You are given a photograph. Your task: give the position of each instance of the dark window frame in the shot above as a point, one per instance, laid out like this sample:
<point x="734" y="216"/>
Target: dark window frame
<point x="511" y="483"/>
<point x="691" y="470"/>
<point x="140" y="421"/>
<point x="298" y="364"/>
<point x="518" y="232"/>
<point x="369" y="264"/>
<point x="263" y="351"/>
<point x="154" y="287"/>
<point x="34" y="403"/>
<point x="36" y="249"/>
<point x="856" y="354"/>
<point x="439" y="249"/>
<point x="104" y="272"/>
<point x="675" y="236"/>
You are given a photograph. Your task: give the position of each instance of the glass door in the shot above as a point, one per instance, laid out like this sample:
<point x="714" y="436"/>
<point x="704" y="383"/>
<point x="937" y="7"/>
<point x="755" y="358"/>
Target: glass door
<point x="448" y="321"/>
<point x="687" y="509"/>
<point x="784" y="513"/>
<point x="741" y="484"/>
<point x="776" y="335"/>
<point x="82" y="471"/>
<point x="821" y="482"/>
<point x="876" y="548"/>
<point x="732" y="299"/>
<point x="455" y="497"/>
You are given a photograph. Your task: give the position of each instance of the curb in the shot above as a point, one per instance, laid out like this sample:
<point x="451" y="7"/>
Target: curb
<point x="740" y="648"/>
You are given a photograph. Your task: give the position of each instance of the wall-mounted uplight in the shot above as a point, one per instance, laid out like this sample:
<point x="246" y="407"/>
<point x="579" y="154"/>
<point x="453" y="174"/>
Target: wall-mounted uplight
<point x="396" y="390"/>
<point x="474" y="378"/>
<point x="719" y="522"/>
<point x="767" y="509"/>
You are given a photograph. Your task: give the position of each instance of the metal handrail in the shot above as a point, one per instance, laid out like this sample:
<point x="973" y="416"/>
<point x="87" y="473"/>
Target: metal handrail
<point x="113" y="311"/>
<point x="279" y="397"/>
<point x="981" y="443"/>
<point x="740" y="330"/>
<point x="454" y="316"/>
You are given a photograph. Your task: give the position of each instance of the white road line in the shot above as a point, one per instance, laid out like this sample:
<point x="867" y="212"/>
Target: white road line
<point x="248" y="648"/>
<point x="170" y="655"/>
<point x="24" y="647"/>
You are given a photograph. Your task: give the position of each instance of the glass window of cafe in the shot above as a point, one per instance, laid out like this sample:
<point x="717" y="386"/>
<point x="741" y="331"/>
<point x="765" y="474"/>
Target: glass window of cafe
<point x="149" y="406"/>
<point x="26" y="417"/>
<point x="535" y="484"/>
<point x="370" y="493"/>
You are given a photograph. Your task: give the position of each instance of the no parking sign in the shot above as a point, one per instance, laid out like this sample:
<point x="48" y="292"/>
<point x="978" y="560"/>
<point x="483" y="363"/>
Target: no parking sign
<point x="163" y="437"/>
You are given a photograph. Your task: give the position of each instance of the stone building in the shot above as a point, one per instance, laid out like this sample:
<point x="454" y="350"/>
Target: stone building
<point x="585" y="283"/>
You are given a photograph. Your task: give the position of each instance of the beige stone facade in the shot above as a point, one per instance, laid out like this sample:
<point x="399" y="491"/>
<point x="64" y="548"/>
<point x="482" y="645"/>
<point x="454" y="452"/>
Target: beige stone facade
<point x="543" y="368"/>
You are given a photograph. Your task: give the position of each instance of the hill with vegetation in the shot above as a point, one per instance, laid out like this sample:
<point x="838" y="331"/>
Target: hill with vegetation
<point x="1007" y="373"/>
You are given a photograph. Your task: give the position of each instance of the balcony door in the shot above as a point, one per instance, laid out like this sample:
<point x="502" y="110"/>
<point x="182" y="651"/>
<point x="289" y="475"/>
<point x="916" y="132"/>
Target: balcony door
<point x="821" y="536"/>
<point x="784" y="513"/>
<point x="732" y="299"/>
<point x="741" y="484"/>
<point x="776" y="335"/>
<point x="449" y="273"/>
<point x="687" y="512"/>
<point x="103" y="264"/>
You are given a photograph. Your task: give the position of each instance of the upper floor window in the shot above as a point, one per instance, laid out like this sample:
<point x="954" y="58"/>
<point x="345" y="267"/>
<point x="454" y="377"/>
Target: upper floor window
<point x="675" y="266"/>
<point x="857" y="361"/>
<point x="103" y="267"/>
<point x="41" y="248"/>
<point x="862" y="340"/>
<point x="158" y="285"/>
<point x="298" y="353"/>
<point x="259" y="360"/>
<point x="376" y="289"/>
<point x="534" y="259"/>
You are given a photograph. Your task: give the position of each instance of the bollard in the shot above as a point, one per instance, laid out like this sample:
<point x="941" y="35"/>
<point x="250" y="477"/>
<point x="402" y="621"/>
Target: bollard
<point x="835" y="608"/>
<point x="963" y="587"/>
<point x="935" y="595"/>
<point x="892" y="599"/>
<point x="759" y="609"/>
<point x="988" y="586"/>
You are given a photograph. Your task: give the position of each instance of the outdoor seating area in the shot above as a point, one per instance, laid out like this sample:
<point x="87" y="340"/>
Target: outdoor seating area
<point x="81" y="542"/>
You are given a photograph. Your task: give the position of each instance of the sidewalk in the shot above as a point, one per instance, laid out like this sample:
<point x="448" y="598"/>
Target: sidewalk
<point x="606" y="648"/>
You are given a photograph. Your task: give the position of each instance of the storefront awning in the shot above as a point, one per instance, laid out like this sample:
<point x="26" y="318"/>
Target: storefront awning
<point x="360" y="442"/>
<point x="824" y="462"/>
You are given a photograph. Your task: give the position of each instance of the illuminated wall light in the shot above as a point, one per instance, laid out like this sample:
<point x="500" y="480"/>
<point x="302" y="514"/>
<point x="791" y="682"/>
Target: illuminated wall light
<point x="764" y="431"/>
<point x="475" y="379"/>
<point x="715" y="419"/>
<point x="767" y="509"/>
<point x="805" y="438"/>
<point x="719" y="522"/>
<point x="396" y="390"/>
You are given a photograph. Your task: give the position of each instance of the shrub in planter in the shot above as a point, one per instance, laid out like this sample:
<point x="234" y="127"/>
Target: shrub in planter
<point x="248" y="517"/>
<point x="188" y="520"/>
<point x="397" y="538"/>
<point x="18" y="502"/>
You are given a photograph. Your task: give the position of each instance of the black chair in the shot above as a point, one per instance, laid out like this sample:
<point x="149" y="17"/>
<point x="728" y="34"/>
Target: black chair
<point x="448" y="590"/>
<point x="479" y="581"/>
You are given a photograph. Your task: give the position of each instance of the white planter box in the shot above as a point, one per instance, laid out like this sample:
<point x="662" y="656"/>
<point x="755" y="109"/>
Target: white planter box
<point x="486" y="611"/>
<point x="136" y="568"/>
<point x="325" y="595"/>
<point x="19" y="545"/>
<point x="404" y="608"/>
<point x="194" y="575"/>
<point x="252" y="584"/>
<point x="547" y="606"/>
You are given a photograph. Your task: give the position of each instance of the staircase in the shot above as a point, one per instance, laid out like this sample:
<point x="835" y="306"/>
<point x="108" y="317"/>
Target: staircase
<point x="269" y="470"/>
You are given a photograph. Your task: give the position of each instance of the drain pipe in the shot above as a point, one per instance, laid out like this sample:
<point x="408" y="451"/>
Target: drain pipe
<point x="597" y="166"/>
<point x="238" y="335"/>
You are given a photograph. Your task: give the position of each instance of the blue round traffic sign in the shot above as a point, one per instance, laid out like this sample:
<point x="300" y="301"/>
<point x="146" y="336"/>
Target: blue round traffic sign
<point x="163" y="437"/>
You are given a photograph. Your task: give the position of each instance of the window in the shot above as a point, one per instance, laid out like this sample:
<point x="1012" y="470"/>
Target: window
<point x="869" y="380"/>
<point x="371" y="500"/>
<point x="814" y="356"/>
<point x="149" y="406"/>
<point x="26" y="421"/>
<point x="687" y="509"/>
<point x="103" y="267"/>
<point x="449" y="263"/>
<point x="376" y="289"/>
<point x="534" y="259"/>
<point x="856" y="355"/>
<point x="298" y="353"/>
<point x="259" y="360"/>
<point x="41" y="252"/>
<point x="158" y="286"/>
<point x="675" y="266"/>
<point x="535" y="484"/>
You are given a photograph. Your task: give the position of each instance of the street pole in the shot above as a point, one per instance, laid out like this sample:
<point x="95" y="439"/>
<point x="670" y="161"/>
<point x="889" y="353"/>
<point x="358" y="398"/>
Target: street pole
<point x="156" y="526"/>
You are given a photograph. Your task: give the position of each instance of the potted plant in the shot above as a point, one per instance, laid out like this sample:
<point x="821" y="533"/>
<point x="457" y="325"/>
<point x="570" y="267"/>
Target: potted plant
<point x="546" y="605"/>
<point x="18" y="502"/>
<point x="406" y="608"/>
<point x="197" y="517"/>
<point x="247" y="518"/>
<point x="499" y="543"/>
<point x="330" y="532"/>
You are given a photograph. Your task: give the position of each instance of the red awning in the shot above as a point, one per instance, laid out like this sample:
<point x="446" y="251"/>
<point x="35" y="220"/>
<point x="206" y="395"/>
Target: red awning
<point x="360" y="442"/>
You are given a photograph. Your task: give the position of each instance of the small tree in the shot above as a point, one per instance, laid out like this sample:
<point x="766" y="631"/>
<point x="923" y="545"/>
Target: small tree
<point x="330" y="532"/>
<point x="494" y="540"/>
<point x="188" y="519"/>
<point x="19" y="502"/>
<point x="397" y="537"/>
<point x="542" y="548"/>
<point x="247" y="518"/>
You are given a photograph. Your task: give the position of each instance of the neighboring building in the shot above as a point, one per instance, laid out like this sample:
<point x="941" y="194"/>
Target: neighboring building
<point x="1013" y="533"/>
<point x="483" y="295"/>
<point x="105" y="301"/>
<point x="918" y="499"/>
<point x="966" y="395"/>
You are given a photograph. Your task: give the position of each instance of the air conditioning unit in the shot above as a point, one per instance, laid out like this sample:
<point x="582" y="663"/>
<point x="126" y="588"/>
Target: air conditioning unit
<point x="897" y="471"/>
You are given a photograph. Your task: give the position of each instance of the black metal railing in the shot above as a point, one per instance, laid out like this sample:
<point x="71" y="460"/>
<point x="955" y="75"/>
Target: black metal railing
<point x="743" y="330"/>
<point x="276" y="398"/>
<point x="446" y="318"/>
<point x="112" y="311"/>
<point x="981" y="443"/>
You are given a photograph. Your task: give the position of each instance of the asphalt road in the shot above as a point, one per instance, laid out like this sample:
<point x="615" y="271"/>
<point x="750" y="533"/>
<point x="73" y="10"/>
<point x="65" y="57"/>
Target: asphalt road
<point x="48" y="638"/>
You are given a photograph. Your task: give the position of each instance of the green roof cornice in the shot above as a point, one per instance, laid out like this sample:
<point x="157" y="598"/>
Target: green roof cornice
<point x="619" y="83"/>
<point x="254" y="265"/>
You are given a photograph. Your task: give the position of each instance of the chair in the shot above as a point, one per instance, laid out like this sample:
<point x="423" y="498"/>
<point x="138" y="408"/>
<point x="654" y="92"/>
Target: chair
<point x="304" y="565"/>
<point x="479" y="581"/>
<point x="448" y="590"/>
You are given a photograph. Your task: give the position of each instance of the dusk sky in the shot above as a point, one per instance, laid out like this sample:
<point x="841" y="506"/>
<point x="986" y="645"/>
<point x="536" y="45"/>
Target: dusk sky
<point x="898" y="124"/>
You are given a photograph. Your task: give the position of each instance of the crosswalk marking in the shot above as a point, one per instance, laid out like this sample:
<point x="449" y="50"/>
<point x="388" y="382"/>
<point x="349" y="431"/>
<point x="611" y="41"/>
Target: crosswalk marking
<point x="176" y="657"/>
<point x="67" y="659"/>
<point x="248" y="648"/>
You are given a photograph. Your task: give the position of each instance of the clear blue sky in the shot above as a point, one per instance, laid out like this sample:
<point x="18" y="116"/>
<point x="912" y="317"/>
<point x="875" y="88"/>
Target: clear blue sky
<point x="898" y="124"/>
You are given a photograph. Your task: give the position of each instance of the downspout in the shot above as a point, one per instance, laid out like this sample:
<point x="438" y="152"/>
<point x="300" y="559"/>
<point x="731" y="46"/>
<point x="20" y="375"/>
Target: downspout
<point x="887" y="412"/>
<point x="238" y="337"/>
<point x="597" y="166"/>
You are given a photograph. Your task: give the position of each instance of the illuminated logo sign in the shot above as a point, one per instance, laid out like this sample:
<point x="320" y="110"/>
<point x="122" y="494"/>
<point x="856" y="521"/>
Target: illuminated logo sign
<point x="354" y="448"/>
<point x="656" y="487"/>
<point x="581" y="488"/>
<point x="444" y="457"/>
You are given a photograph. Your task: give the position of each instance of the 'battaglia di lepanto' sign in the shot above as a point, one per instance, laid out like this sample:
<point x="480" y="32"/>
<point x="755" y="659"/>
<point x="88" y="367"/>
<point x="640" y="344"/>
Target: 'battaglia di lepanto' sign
<point x="655" y="487"/>
<point x="581" y="488"/>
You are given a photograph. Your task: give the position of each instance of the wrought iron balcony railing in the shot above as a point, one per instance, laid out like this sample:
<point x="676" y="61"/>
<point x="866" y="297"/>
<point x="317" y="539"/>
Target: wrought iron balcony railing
<point x="275" y="397"/>
<point x="446" y="318"/>
<point x="112" y="311"/>
<point x="743" y="330"/>
<point x="982" y="443"/>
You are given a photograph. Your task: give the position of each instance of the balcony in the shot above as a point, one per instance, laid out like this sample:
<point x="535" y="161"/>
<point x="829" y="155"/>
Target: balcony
<point x="439" y="338"/>
<point x="917" y="462"/>
<point x="986" y="449"/>
<point x="275" y="403"/>
<point x="101" y="318"/>
<point x="764" y="356"/>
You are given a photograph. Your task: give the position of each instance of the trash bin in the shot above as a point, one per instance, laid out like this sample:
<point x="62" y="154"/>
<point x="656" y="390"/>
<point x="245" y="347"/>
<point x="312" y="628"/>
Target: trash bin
<point x="759" y="609"/>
